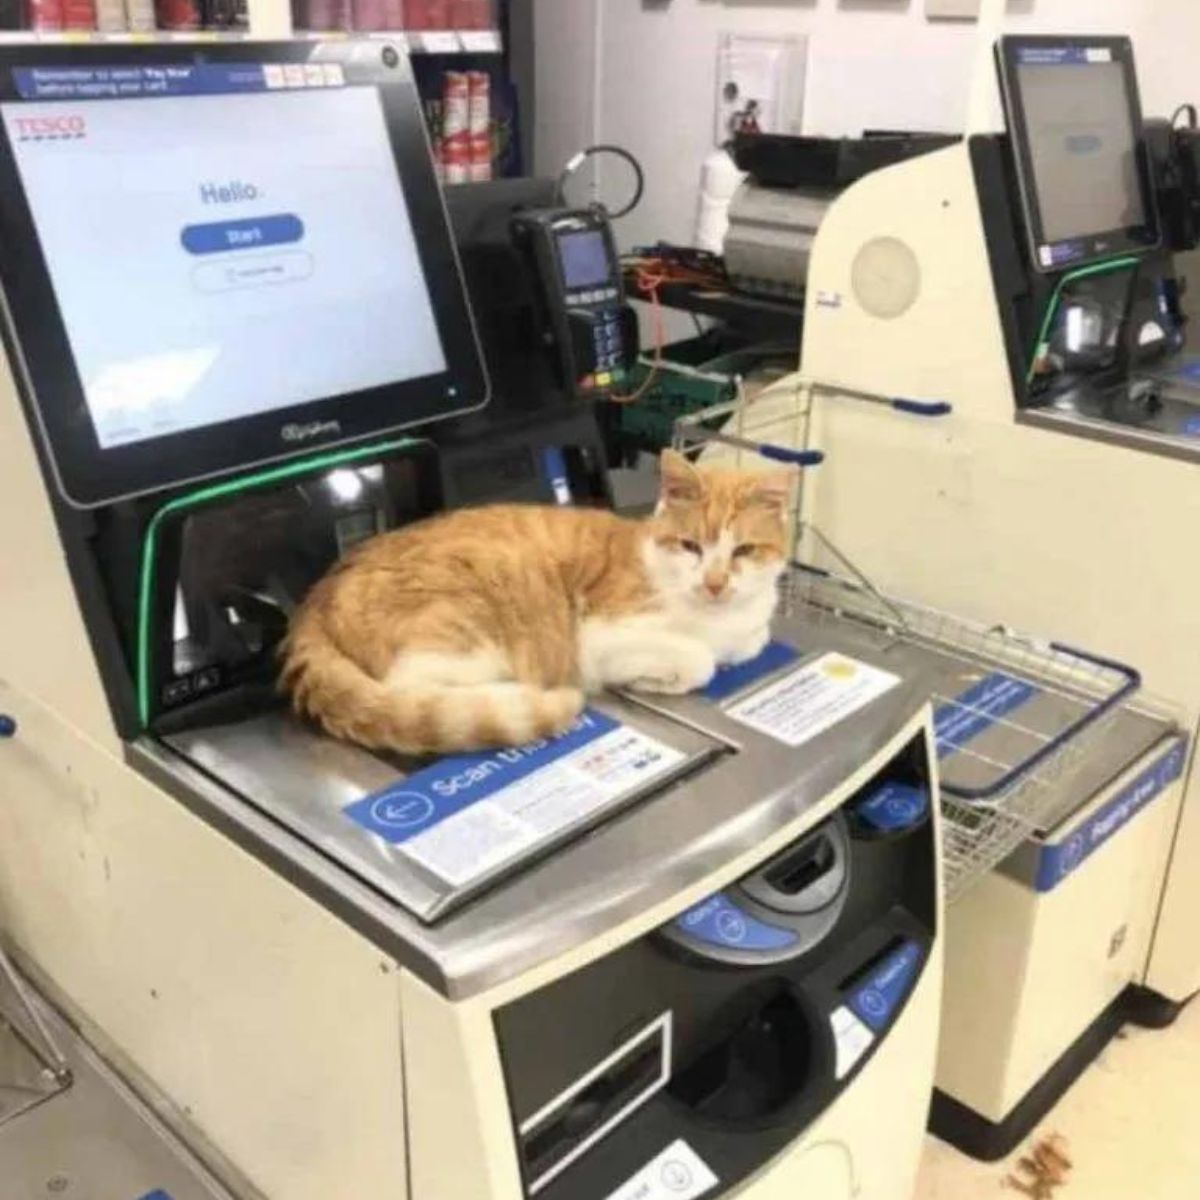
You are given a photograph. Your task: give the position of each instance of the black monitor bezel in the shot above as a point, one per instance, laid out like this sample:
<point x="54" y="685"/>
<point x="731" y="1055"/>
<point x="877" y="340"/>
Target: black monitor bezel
<point x="89" y="476"/>
<point x="1083" y="250"/>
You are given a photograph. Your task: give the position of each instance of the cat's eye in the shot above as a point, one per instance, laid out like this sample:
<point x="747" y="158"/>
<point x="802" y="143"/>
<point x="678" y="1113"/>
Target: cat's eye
<point x="743" y="551"/>
<point x="690" y="546"/>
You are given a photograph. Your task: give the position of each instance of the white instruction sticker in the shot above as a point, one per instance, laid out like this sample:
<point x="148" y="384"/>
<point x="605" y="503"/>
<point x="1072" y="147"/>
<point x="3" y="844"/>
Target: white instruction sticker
<point x="852" y="1039"/>
<point x="505" y="822"/>
<point x="678" y="1173"/>
<point x="809" y="701"/>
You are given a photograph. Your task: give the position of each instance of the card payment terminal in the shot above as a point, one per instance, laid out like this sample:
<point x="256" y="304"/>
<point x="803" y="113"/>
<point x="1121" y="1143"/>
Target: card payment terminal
<point x="589" y="326"/>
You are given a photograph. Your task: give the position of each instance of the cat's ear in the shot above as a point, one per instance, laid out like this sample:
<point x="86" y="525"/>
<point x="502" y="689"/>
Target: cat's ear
<point x="681" y="482"/>
<point x="774" y="489"/>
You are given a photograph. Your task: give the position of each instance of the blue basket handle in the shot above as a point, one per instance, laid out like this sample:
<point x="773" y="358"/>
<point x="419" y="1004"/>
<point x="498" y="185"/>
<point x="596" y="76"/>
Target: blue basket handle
<point x="922" y="408"/>
<point x="800" y="458"/>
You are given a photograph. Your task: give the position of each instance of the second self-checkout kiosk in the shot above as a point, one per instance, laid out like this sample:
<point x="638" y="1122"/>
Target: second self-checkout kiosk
<point x="1033" y="280"/>
<point x="238" y="342"/>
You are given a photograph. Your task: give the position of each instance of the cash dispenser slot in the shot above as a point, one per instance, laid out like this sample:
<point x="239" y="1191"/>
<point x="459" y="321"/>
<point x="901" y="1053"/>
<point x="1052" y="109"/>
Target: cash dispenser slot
<point x="556" y="1136"/>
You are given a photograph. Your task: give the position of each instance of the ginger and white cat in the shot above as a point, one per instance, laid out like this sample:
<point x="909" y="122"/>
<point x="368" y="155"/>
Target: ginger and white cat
<point x="487" y="627"/>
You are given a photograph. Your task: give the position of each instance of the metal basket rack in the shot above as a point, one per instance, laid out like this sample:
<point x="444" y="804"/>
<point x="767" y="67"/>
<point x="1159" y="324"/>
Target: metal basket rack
<point x="32" y="1068"/>
<point x="1014" y="715"/>
<point x="1002" y="769"/>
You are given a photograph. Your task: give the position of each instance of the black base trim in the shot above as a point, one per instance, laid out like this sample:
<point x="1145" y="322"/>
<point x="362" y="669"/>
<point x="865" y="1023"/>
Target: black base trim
<point x="1151" y="1010"/>
<point x="966" y="1130"/>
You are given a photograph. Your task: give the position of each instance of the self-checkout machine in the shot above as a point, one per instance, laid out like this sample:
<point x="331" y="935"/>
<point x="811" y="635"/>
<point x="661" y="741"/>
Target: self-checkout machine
<point x="692" y="948"/>
<point x="924" y="283"/>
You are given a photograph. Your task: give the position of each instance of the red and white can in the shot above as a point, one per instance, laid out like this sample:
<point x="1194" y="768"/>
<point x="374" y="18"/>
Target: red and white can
<point x="427" y="14"/>
<point x="79" y="14"/>
<point x="177" y="14"/>
<point x="45" y="14"/>
<point x="479" y="106"/>
<point x="323" y="14"/>
<point x="471" y="14"/>
<point x="456" y="157"/>
<point x="368" y="15"/>
<point x="480" y="167"/>
<point x="456" y="103"/>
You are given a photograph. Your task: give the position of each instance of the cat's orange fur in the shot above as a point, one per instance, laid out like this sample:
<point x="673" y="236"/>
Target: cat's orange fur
<point x="464" y="631"/>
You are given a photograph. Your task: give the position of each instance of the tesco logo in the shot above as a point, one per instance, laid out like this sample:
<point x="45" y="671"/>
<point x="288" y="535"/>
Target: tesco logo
<point x="42" y="129"/>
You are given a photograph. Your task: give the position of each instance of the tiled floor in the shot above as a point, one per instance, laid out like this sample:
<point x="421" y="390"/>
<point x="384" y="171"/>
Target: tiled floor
<point x="1133" y="1123"/>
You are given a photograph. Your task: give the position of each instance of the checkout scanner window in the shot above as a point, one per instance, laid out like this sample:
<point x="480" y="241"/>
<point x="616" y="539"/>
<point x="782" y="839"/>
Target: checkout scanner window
<point x="1076" y="124"/>
<point x="585" y="261"/>
<point x="245" y="565"/>
<point x="231" y="241"/>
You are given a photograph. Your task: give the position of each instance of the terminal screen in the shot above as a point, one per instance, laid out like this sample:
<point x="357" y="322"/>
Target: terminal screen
<point x="223" y="240"/>
<point x="1082" y="143"/>
<point x="584" y="259"/>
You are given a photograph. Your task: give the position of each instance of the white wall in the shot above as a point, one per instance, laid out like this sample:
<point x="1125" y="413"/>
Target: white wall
<point x="642" y="73"/>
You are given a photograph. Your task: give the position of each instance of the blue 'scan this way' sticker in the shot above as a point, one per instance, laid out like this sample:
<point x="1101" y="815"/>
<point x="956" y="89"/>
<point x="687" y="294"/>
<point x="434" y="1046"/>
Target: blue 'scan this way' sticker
<point x="416" y="804"/>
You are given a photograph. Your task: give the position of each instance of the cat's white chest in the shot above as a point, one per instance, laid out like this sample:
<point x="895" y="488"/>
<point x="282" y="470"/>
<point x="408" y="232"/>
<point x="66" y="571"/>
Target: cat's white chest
<point x="732" y="634"/>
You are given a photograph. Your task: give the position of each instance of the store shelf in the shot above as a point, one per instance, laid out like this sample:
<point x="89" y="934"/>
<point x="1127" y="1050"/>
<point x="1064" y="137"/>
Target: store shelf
<point x="426" y="41"/>
<point x="466" y="41"/>
<point x="69" y="36"/>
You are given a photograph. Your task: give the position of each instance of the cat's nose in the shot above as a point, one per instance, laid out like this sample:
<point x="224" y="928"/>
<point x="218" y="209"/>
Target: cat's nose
<point x="714" y="586"/>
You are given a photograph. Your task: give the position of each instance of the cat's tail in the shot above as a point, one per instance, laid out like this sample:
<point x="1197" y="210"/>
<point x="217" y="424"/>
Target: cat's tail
<point x="419" y="718"/>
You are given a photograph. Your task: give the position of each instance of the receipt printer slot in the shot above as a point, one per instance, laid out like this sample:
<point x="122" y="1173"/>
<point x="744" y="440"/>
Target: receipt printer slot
<point x="799" y="871"/>
<point x="806" y="878"/>
<point x="570" y="1124"/>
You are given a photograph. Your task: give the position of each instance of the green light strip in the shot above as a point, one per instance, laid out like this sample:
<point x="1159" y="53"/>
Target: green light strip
<point x="1102" y="268"/>
<point x="218" y="491"/>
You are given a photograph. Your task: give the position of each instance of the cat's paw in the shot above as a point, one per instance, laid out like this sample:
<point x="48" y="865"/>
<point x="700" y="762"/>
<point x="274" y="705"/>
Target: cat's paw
<point x="682" y="674"/>
<point x="747" y="650"/>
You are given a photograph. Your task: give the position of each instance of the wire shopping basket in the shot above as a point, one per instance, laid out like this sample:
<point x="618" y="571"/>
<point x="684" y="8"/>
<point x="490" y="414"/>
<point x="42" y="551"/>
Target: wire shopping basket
<point x="1014" y="715"/>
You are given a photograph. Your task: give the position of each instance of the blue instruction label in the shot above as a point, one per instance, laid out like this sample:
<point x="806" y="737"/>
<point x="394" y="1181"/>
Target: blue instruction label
<point x="114" y="81"/>
<point x="1063" y="859"/>
<point x="415" y="805"/>
<point x="1057" y="56"/>
<point x="978" y="709"/>
<point x="729" y="680"/>
<point x="1190" y="371"/>
<point x="717" y="921"/>
<point x="893" y="807"/>
<point x="1191" y="427"/>
<point x="876" y="1000"/>
<point x="157" y="1194"/>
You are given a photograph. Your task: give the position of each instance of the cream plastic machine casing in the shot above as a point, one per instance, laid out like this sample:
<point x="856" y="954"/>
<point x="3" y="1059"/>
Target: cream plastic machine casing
<point x="321" y="1040"/>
